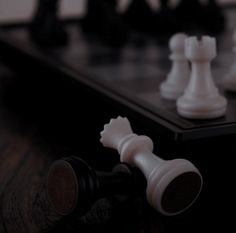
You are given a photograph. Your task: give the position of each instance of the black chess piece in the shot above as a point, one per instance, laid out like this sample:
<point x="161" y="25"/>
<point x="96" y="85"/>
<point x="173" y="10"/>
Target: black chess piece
<point x="214" y="18"/>
<point x="190" y="14"/>
<point x="165" y="23"/>
<point x="103" y="21"/>
<point x="139" y="16"/>
<point x="196" y="16"/>
<point x="46" y="29"/>
<point x="93" y="17"/>
<point x="73" y="186"/>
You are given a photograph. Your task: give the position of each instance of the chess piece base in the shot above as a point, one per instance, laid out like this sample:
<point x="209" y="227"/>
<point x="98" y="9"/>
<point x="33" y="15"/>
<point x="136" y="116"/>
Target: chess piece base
<point x="171" y="91"/>
<point x="203" y="108"/>
<point x="229" y="82"/>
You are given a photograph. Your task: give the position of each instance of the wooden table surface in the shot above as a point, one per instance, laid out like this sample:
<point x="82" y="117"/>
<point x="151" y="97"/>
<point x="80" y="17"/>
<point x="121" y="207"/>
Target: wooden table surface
<point x="25" y="157"/>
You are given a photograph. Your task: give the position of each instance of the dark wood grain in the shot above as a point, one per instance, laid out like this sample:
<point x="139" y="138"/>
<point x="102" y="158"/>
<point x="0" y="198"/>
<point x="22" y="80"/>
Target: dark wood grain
<point x="24" y="160"/>
<point x="24" y="202"/>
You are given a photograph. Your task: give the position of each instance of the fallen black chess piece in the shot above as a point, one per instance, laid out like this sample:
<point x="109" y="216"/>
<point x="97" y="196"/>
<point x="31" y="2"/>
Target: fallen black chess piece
<point x="95" y="201"/>
<point x="73" y="186"/>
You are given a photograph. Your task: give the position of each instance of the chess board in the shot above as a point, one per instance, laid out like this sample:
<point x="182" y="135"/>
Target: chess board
<point x="129" y="76"/>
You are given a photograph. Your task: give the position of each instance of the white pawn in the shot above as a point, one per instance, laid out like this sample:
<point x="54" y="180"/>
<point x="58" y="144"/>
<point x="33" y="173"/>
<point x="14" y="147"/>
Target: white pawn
<point x="229" y="82"/>
<point x="172" y="185"/>
<point x="201" y="98"/>
<point x="178" y="77"/>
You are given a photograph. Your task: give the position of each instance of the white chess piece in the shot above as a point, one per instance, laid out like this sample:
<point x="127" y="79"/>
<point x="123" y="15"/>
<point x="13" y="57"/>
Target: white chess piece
<point x="178" y="77"/>
<point x="172" y="185"/>
<point x="229" y="82"/>
<point x="201" y="98"/>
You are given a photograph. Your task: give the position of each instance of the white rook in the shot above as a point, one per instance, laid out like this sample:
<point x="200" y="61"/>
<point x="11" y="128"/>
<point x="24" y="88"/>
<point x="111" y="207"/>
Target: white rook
<point x="172" y="185"/>
<point x="201" y="98"/>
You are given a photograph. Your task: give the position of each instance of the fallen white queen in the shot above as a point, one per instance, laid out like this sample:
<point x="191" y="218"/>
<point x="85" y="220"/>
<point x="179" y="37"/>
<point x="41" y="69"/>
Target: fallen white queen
<point x="172" y="185"/>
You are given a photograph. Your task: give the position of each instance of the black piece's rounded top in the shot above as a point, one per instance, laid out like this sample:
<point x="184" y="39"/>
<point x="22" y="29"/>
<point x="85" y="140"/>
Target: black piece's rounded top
<point x="72" y="186"/>
<point x="62" y="187"/>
